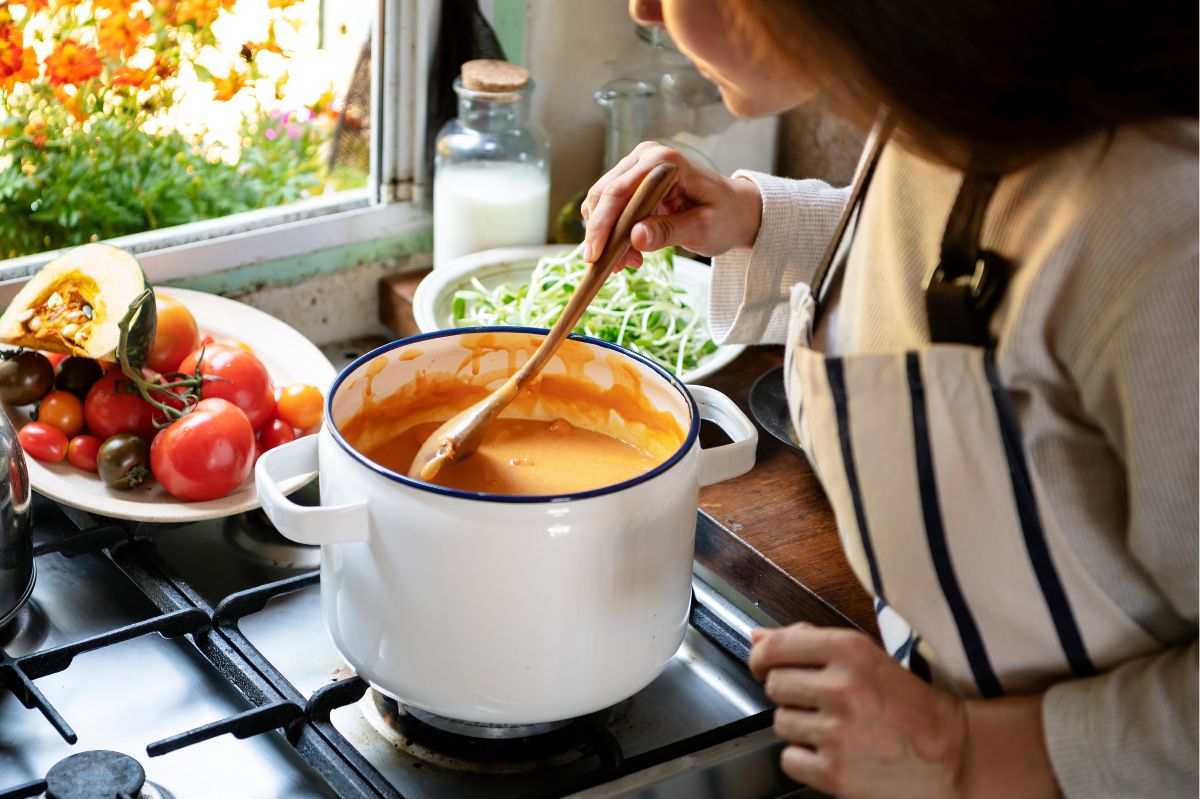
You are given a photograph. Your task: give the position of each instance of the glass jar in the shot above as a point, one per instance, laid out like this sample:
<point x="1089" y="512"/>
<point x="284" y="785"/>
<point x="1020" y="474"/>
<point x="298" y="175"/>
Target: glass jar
<point x="491" y="185"/>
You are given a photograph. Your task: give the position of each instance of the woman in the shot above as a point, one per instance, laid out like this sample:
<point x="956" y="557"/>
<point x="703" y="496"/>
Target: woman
<point x="1009" y="441"/>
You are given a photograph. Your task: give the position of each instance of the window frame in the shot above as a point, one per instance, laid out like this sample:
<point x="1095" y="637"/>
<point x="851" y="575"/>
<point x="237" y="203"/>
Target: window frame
<point x="388" y="205"/>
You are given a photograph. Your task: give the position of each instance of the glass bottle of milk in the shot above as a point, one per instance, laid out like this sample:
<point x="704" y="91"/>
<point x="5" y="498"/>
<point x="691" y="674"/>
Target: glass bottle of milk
<point x="491" y="185"/>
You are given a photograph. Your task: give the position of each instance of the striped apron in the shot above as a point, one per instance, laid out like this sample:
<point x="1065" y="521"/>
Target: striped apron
<point x="921" y="457"/>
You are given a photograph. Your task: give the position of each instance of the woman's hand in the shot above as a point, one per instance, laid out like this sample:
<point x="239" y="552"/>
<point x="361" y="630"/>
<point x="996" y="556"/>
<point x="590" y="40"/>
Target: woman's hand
<point x="703" y="212"/>
<point x="858" y="723"/>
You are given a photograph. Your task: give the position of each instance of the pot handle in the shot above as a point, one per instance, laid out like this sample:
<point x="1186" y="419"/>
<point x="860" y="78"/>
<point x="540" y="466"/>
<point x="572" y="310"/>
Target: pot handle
<point x="329" y="524"/>
<point x="728" y="460"/>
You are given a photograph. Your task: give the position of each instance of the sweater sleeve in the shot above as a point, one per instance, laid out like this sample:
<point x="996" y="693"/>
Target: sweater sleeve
<point x="748" y="301"/>
<point x="1133" y="731"/>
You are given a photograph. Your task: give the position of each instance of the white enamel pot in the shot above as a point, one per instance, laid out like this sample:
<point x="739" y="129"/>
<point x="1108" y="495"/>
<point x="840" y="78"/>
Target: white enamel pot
<point x="502" y="609"/>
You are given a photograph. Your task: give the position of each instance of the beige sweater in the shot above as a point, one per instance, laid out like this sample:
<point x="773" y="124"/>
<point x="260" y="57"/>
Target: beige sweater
<point x="1098" y="346"/>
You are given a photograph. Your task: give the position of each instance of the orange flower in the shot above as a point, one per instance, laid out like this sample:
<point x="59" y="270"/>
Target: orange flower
<point x="36" y="130"/>
<point x="72" y="102"/>
<point x="18" y="63"/>
<point x="115" y="6"/>
<point x="271" y="45"/>
<point x="72" y="62"/>
<point x="164" y="67"/>
<point x="132" y="76"/>
<point x="34" y="6"/>
<point x="120" y="34"/>
<point x="225" y="88"/>
<point x="282" y="3"/>
<point x="323" y="105"/>
<point x="200" y="12"/>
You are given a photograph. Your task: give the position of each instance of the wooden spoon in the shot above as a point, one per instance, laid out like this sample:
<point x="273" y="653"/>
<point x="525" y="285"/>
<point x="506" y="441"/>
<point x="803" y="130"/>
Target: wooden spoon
<point x="458" y="437"/>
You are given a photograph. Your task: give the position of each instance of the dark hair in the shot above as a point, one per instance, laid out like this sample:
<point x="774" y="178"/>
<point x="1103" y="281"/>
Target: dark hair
<point x="993" y="83"/>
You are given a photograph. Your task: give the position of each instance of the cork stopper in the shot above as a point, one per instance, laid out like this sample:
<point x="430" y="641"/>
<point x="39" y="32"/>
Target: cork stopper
<point x="486" y="75"/>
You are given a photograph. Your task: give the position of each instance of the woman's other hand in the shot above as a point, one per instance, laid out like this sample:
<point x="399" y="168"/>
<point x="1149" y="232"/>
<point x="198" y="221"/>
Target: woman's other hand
<point x="703" y="212"/>
<point x="858" y="723"/>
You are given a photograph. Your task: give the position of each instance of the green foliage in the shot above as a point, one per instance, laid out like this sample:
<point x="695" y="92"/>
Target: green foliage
<point x="109" y="178"/>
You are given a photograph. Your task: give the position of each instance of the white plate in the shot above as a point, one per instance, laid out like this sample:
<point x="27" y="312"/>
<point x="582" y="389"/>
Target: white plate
<point x="434" y="298"/>
<point x="289" y="358"/>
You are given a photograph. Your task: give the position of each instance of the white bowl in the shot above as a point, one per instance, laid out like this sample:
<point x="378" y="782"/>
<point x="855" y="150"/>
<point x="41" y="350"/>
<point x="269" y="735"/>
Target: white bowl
<point x="434" y="298"/>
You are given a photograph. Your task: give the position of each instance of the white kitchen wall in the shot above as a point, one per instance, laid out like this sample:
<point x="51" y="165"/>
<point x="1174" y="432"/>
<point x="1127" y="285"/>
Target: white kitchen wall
<point x="572" y="48"/>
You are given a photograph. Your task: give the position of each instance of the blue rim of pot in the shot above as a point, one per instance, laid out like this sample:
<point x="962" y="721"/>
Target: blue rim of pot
<point x="692" y="433"/>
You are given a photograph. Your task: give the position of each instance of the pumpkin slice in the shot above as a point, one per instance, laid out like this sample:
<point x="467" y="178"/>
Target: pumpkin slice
<point x="74" y="303"/>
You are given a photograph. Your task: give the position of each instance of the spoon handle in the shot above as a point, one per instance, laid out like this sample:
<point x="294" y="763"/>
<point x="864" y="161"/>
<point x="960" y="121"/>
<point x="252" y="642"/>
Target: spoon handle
<point x="645" y="199"/>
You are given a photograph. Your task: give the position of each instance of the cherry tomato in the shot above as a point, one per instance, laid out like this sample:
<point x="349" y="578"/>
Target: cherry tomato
<point x="300" y="406"/>
<point x="233" y="342"/>
<point x="206" y="340"/>
<point x="121" y="461"/>
<point x="113" y="406"/>
<point x="206" y="454"/>
<point x="175" y="335"/>
<point x="25" y="378"/>
<point x="55" y="358"/>
<point x="274" y="434"/>
<point x="83" y="451"/>
<point x="43" y="441"/>
<point x="243" y="380"/>
<point x="77" y="374"/>
<point x="63" y="410"/>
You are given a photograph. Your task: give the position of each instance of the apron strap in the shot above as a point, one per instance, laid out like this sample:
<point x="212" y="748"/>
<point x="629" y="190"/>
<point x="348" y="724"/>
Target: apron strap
<point x="968" y="282"/>
<point x="872" y="151"/>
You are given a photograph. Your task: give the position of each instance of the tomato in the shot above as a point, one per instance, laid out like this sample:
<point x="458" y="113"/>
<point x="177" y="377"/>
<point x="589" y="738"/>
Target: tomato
<point x="25" y="377"/>
<point x="77" y="374"/>
<point x="43" y="441"/>
<point x="233" y="342"/>
<point x="276" y="433"/>
<point x="175" y="335"/>
<point x="243" y="380"/>
<point x="83" y="451"/>
<point x="121" y="461"/>
<point x="206" y="454"/>
<point x="206" y="340"/>
<point x="300" y="406"/>
<point x="55" y="358"/>
<point x="113" y="406"/>
<point x="63" y="410"/>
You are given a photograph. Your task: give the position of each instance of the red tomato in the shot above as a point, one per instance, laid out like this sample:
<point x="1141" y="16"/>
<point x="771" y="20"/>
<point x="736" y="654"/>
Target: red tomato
<point x="206" y="340"/>
<point x="276" y="433"/>
<point x="233" y="342"/>
<point x="63" y="410"/>
<point x="243" y="380"/>
<point x="108" y="412"/>
<point x="55" y="358"/>
<point x="175" y="335"/>
<point x="43" y="441"/>
<point x="300" y="406"/>
<point x="82" y="451"/>
<point x="206" y="454"/>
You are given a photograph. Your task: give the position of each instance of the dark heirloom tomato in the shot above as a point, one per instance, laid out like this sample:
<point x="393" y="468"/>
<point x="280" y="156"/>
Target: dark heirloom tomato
<point x="43" y="441"/>
<point x="241" y="379"/>
<point x="113" y="406"/>
<point x="121" y="461"/>
<point x="206" y="454"/>
<point x="77" y="375"/>
<point x="25" y="377"/>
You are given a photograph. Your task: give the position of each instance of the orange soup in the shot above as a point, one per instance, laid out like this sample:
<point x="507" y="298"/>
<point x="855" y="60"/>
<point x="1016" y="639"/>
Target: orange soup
<point x="526" y="457"/>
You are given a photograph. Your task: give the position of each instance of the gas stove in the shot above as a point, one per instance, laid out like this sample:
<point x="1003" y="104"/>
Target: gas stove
<point x="241" y="694"/>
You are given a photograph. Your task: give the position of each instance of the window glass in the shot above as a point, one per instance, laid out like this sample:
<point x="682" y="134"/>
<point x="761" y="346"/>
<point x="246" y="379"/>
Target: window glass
<point x="119" y="116"/>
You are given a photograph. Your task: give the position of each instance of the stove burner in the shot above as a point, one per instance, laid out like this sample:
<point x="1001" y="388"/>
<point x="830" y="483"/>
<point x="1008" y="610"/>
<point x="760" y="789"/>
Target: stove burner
<point x="25" y="631"/>
<point x="488" y="749"/>
<point x="253" y="534"/>
<point x="478" y="729"/>
<point x="99" y="774"/>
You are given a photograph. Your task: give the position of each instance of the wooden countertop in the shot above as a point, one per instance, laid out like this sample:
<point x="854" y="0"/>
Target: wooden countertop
<point x="774" y="537"/>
